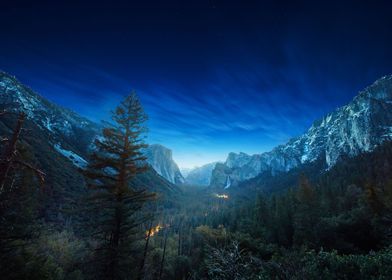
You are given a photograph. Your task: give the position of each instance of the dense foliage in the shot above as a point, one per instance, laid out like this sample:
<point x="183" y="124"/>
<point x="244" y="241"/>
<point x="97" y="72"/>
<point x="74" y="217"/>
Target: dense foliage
<point x="304" y="224"/>
<point x="114" y="204"/>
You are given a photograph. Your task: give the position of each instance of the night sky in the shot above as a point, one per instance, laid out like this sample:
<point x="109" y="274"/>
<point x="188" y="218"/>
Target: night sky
<point x="214" y="76"/>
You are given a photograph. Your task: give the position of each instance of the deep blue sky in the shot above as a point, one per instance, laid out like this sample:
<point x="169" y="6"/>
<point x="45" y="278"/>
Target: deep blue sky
<point x="214" y="76"/>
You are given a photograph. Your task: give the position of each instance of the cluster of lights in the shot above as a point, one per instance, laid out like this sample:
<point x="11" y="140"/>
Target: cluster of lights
<point x="154" y="230"/>
<point x="223" y="196"/>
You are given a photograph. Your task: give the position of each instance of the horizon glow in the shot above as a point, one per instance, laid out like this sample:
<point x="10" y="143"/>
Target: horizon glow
<point x="214" y="77"/>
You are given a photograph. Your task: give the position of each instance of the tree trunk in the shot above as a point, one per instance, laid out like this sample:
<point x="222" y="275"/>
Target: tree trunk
<point x="141" y="269"/>
<point x="114" y="243"/>
<point x="9" y="151"/>
<point x="163" y="256"/>
<point x="179" y="249"/>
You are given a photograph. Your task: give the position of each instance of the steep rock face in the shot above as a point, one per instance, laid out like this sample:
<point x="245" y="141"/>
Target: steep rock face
<point x="61" y="136"/>
<point x="63" y="128"/>
<point x="200" y="176"/>
<point x="237" y="160"/>
<point x="360" y="126"/>
<point x="160" y="158"/>
<point x="220" y="175"/>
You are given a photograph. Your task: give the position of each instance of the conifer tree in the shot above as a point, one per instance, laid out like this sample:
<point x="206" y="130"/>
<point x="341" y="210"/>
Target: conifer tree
<point x="118" y="158"/>
<point x="306" y="215"/>
<point x="373" y="200"/>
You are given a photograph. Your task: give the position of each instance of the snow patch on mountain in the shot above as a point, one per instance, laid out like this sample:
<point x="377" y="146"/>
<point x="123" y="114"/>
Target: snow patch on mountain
<point x="55" y="119"/>
<point x="61" y="125"/>
<point x="75" y="158"/>
<point x="360" y="126"/>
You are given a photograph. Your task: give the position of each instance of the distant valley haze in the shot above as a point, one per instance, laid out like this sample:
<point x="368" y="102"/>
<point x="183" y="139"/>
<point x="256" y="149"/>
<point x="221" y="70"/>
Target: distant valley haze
<point x="195" y="140"/>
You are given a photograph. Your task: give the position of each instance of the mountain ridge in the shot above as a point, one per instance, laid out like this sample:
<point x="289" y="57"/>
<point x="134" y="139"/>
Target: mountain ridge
<point x="70" y="134"/>
<point x="200" y="176"/>
<point x="359" y="126"/>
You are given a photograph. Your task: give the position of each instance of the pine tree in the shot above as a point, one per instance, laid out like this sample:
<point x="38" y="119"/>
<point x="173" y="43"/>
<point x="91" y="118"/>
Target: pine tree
<point x="115" y="163"/>
<point x="373" y="199"/>
<point x="306" y="214"/>
<point x="306" y="194"/>
<point x="262" y="219"/>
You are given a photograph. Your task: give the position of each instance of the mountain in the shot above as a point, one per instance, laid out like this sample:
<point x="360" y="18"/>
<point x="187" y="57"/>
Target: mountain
<point x="200" y="176"/>
<point x="185" y="171"/>
<point x="160" y="158"/>
<point x="59" y="141"/>
<point x="63" y="127"/>
<point x="70" y="134"/>
<point x="360" y="126"/>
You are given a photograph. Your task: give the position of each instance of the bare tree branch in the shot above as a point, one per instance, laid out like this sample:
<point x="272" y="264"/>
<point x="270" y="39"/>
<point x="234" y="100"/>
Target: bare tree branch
<point x="38" y="172"/>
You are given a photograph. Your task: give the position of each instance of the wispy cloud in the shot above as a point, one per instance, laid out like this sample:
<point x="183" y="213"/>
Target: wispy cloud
<point x="233" y="78"/>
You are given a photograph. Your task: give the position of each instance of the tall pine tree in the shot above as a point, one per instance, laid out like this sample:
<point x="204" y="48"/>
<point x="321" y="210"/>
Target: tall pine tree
<point x="306" y="216"/>
<point x="118" y="158"/>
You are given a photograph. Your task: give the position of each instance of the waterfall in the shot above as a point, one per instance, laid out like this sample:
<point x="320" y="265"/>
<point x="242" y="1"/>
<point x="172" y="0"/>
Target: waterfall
<point x="228" y="182"/>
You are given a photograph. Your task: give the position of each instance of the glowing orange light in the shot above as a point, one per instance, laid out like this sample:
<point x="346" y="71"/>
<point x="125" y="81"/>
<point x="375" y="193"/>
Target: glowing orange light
<point x="154" y="230"/>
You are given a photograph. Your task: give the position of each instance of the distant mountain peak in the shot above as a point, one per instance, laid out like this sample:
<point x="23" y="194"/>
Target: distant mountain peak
<point x="161" y="159"/>
<point x="200" y="176"/>
<point x="380" y="89"/>
<point x="70" y="134"/>
<point x="359" y="126"/>
<point x="18" y="97"/>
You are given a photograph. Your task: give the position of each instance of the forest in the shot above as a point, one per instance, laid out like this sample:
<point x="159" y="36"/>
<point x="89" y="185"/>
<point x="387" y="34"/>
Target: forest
<point x="304" y="224"/>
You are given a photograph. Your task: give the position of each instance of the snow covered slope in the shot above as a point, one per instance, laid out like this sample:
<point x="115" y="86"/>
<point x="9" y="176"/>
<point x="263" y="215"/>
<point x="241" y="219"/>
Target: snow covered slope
<point x="359" y="126"/>
<point x="69" y="134"/>
<point x="62" y="127"/>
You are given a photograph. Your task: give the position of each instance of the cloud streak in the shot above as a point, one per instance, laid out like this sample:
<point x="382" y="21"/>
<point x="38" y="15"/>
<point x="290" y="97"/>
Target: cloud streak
<point x="236" y="77"/>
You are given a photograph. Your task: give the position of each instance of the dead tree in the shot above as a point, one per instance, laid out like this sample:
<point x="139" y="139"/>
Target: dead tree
<point x="10" y="157"/>
<point x="141" y="268"/>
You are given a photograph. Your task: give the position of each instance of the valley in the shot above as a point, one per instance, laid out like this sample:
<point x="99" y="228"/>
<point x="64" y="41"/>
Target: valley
<point x="318" y="206"/>
<point x="196" y="140"/>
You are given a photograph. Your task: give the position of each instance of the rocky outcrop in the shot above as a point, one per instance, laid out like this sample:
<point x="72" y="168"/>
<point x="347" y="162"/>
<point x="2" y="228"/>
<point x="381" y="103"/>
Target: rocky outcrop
<point x="160" y="158"/>
<point x="360" y="126"/>
<point x="69" y="135"/>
